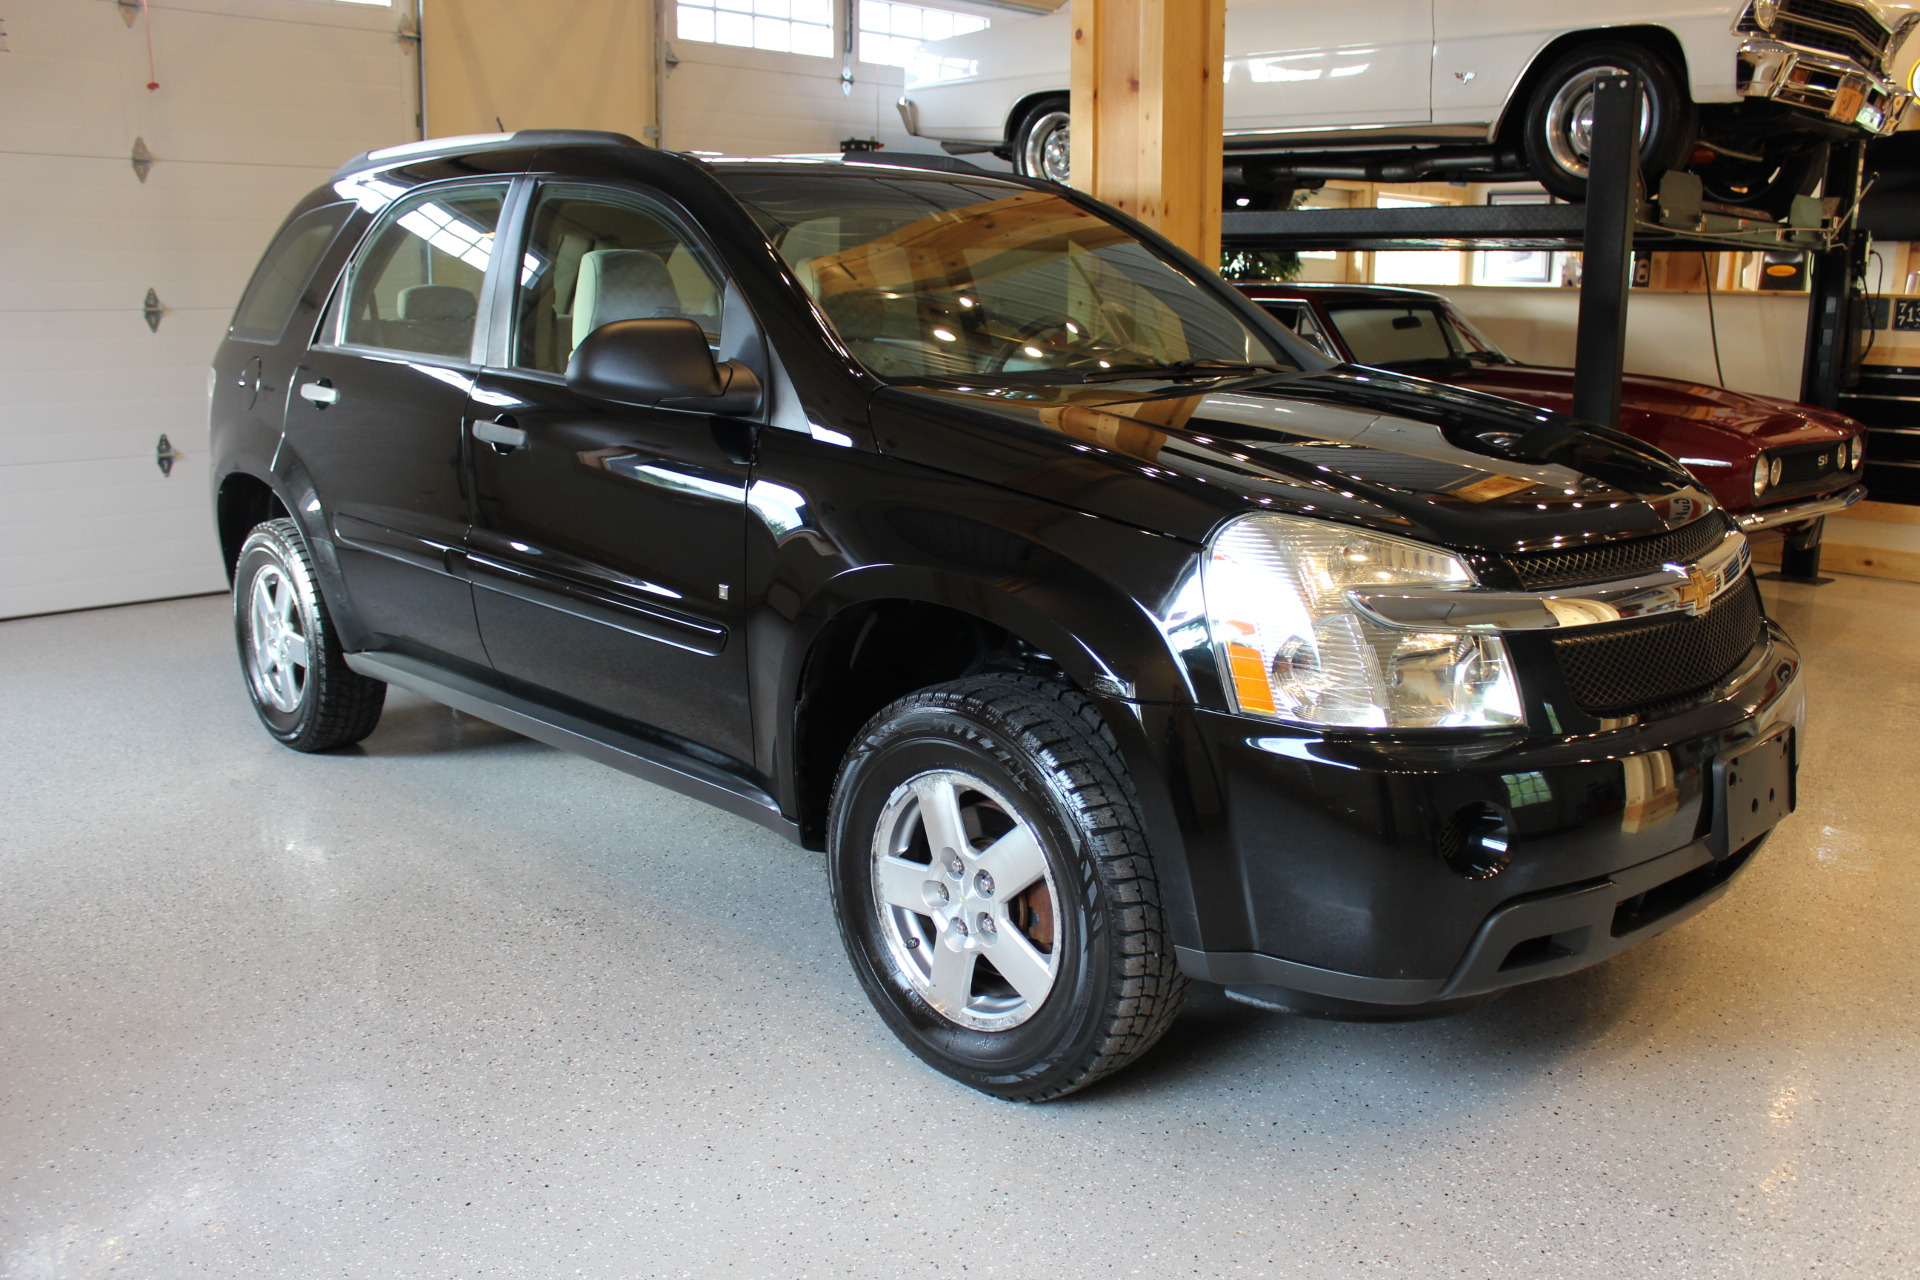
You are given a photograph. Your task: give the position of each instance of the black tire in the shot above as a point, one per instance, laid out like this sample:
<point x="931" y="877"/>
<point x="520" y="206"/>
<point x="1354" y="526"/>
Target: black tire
<point x="1027" y="147"/>
<point x="1769" y="186"/>
<point x="1040" y="749"/>
<point x="312" y="705"/>
<point x="1554" y="153"/>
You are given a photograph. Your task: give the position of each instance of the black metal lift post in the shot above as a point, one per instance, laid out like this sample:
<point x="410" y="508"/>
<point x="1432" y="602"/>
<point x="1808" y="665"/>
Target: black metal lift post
<point x="1606" y="228"/>
<point x="1833" y="327"/>
<point x="1614" y="196"/>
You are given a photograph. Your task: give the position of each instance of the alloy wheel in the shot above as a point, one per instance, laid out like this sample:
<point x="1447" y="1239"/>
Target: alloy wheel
<point x="277" y="651"/>
<point x="965" y="897"/>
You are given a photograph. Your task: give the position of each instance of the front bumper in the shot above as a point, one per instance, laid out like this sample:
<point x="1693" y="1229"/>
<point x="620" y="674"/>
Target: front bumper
<point x="1800" y="512"/>
<point x="1825" y="84"/>
<point x="1326" y="872"/>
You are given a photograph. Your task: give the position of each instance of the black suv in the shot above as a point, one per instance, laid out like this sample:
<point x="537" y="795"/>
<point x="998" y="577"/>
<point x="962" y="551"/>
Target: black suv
<point x="1103" y="635"/>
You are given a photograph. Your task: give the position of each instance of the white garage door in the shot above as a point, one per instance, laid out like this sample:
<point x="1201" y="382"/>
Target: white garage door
<point x="258" y="101"/>
<point x="777" y="77"/>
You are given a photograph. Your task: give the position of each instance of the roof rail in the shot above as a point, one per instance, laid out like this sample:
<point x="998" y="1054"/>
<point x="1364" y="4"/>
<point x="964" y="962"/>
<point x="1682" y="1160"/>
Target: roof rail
<point x="919" y="160"/>
<point x="466" y="144"/>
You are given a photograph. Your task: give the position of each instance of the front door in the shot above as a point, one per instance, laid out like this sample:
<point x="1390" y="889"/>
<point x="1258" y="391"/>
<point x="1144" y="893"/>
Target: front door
<point x="375" y="415"/>
<point x="1307" y="64"/>
<point x="609" y="542"/>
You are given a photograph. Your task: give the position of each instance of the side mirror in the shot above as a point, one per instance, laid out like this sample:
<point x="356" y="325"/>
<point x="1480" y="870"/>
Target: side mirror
<point x="661" y="362"/>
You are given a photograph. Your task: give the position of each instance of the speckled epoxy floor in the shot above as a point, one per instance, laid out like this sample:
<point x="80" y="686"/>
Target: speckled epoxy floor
<point x="459" y="1005"/>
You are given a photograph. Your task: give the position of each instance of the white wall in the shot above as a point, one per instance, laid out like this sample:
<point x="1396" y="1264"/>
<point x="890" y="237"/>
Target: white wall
<point x="259" y="100"/>
<point x="1668" y="334"/>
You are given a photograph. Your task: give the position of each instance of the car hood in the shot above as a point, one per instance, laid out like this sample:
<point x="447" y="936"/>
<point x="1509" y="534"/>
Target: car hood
<point x="1397" y="454"/>
<point x="1735" y="424"/>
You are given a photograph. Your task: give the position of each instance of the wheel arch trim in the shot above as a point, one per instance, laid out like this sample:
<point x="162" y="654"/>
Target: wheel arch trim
<point x="1513" y="109"/>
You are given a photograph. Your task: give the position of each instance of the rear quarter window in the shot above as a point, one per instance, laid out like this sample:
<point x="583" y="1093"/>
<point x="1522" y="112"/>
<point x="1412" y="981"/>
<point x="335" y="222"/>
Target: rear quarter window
<point x="283" y="273"/>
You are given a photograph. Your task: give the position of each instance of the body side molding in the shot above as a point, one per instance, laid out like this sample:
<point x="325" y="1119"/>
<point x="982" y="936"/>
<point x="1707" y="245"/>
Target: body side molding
<point x="652" y="762"/>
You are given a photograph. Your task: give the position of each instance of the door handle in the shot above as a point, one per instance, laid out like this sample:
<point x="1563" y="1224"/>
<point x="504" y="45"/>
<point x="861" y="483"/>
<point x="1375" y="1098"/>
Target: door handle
<point x="320" y="394"/>
<point x="501" y="433"/>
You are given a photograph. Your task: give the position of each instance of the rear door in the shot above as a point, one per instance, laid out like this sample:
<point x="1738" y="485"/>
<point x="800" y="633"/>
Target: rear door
<point x="609" y="539"/>
<point x="377" y="409"/>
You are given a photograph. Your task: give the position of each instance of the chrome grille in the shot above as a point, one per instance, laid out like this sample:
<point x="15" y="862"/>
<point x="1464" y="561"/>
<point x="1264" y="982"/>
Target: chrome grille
<point x="1834" y="26"/>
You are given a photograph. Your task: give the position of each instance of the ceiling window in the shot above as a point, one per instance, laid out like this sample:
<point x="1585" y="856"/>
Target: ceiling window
<point x="891" y="34"/>
<point x="781" y="26"/>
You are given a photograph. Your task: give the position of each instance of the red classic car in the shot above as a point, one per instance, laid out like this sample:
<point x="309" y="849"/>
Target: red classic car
<point x="1769" y="462"/>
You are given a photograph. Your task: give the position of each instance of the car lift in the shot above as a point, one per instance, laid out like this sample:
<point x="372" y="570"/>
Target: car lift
<point x="1616" y="218"/>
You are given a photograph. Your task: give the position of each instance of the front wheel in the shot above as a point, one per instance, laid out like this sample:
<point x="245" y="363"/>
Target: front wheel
<point x="305" y="694"/>
<point x="1042" y="142"/>
<point x="1558" y="129"/>
<point x="994" y="890"/>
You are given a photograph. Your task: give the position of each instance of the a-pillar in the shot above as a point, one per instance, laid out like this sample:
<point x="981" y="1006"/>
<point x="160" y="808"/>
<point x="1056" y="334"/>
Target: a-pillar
<point x="1147" y="113"/>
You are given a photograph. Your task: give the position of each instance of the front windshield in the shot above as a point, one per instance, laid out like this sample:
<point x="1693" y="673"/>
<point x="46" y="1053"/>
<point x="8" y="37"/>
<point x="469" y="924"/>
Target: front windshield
<point x="930" y="278"/>
<point x="1408" y="337"/>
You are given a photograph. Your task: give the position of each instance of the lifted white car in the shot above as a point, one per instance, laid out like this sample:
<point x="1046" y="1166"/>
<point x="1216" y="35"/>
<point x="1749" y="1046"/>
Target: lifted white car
<point x="1748" y="93"/>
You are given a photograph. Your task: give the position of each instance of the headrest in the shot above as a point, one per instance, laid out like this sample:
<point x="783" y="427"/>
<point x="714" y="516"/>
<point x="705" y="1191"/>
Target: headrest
<point x="622" y="284"/>
<point x="436" y="302"/>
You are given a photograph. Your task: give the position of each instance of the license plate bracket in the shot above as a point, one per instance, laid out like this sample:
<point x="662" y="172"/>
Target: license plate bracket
<point x="1847" y="101"/>
<point x="1756" y="790"/>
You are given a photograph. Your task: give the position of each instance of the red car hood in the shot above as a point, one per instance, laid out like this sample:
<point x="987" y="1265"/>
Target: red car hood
<point x="1698" y="424"/>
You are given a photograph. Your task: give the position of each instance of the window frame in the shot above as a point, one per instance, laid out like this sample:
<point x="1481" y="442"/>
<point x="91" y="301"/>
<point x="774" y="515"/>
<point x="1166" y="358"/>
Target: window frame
<point x="503" y="296"/>
<point x="333" y="321"/>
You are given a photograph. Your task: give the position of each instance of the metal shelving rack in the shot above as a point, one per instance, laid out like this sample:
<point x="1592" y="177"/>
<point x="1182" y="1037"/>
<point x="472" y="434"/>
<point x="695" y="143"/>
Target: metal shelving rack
<point x="1617" y="218"/>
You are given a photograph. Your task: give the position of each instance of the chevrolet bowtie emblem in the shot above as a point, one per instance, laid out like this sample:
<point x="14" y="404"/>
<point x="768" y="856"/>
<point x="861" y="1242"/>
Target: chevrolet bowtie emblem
<point x="1697" y="592"/>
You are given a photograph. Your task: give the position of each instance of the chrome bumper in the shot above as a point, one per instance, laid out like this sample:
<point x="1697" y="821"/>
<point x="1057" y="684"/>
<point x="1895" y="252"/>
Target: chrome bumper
<point x="1798" y="512"/>
<point x="1815" y="81"/>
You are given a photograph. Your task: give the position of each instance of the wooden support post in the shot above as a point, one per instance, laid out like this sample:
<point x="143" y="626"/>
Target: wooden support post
<point x="1147" y="114"/>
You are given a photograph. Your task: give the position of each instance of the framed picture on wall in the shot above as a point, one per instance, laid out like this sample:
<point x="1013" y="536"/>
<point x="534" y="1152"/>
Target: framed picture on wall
<point x="1516" y="266"/>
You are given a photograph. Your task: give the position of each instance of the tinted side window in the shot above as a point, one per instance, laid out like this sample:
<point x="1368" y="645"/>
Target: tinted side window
<point x="284" y="272"/>
<point x="596" y="256"/>
<point x="416" y="285"/>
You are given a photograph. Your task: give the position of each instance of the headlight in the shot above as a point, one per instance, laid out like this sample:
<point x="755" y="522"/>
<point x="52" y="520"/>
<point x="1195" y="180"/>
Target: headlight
<point x="1292" y="647"/>
<point x="1858" y="453"/>
<point x="1766" y="14"/>
<point x="1761" y="473"/>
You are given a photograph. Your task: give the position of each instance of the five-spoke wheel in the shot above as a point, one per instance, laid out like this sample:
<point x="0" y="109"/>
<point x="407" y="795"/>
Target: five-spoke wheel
<point x="994" y="889"/>
<point x="299" y="681"/>
<point x="965" y="900"/>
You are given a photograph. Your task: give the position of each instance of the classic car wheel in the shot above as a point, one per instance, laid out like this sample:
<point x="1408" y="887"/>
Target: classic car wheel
<point x="994" y="890"/>
<point x="1558" y="132"/>
<point x="1040" y="144"/>
<point x="301" y="686"/>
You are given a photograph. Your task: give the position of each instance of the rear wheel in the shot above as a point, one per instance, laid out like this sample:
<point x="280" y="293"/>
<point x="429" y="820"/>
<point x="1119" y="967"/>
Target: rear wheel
<point x="994" y="890"/>
<point x="1558" y="130"/>
<point x="1041" y="142"/>
<point x="301" y="686"/>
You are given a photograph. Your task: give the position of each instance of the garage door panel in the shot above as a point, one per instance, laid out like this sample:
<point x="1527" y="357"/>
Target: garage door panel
<point x="226" y="80"/>
<point x="193" y="233"/>
<point x="759" y="102"/>
<point x="260" y="100"/>
<point x="76" y="535"/>
<point x="48" y="350"/>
